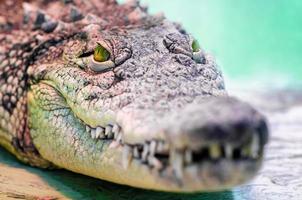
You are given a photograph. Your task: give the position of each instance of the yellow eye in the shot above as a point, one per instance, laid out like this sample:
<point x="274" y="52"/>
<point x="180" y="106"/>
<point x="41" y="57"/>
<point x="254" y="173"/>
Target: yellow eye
<point x="195" y="46"/>
<point x="101" y="54"/>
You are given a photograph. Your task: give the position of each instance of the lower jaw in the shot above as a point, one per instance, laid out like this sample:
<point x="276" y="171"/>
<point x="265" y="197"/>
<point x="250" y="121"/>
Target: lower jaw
<point x="70" y="148"/>
<point x="202" y="177"/>
<point x="104" y="160"/>
<point x="206" y="176"/>
<point x="107" y="164"/>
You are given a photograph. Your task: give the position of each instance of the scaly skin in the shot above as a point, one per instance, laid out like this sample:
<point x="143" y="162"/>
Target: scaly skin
<point x="155" y="116"/>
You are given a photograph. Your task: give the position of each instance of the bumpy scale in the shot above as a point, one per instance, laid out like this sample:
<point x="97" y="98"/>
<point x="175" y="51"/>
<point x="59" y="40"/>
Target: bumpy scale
<point x="109" y="91"/>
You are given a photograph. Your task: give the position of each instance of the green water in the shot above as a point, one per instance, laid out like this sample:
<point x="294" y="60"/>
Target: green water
<point x="258" y="41"/>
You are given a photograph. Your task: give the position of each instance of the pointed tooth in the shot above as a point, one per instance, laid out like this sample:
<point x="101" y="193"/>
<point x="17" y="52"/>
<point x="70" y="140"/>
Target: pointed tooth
<point x="177" y="163"/>
<point x="110" y="134"/>
<point x="115" y="128"/>
<point x="178" y="166"/>
<point x="228" y="151"/>
<point x="108" y="130"/>
<point x="152" y="147"/>
<point x="88" y="129"/>
<point x="93" y="133"/>
<point x="97" y="130"/>
<point x="135" y="152"/>
<point x="116" y="134"/>
<point x="215" y="151"/>
<point x="154" y="162"/>
<point x="100" y="133"/>
<point x="255" y="146"/>
<point x="127" y="156"/>
<point x="188" y="156"/>
<point x="145" y="152"/>
<point x="97" y="134"/>
<point x="159" y="147"/>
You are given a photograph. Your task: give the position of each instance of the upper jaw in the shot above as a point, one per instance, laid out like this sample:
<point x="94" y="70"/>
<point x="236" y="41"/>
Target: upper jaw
<point x="221" y="120"/>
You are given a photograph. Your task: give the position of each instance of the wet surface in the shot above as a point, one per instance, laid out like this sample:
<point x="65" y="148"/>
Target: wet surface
<point x="281" y="175"/>
<point x="280" y="178"/>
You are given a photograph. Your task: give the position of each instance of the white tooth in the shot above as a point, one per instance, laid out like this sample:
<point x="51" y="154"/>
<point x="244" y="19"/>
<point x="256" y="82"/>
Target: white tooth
<point x="135" y="152"/>
<point x="93" y="133"/>
<point x="255" y="146"/>
<point x="108" y="130"/>
<point x="115" y="128"/>
<point x="127" y="156"/>
<point x="100" y="133"/>
<point x="228" y="151"/>
<point x="188" y="156"/>
<point x="152" y="147"/>
<point x="159" y="147"/>
<point x="110" y="134"/>
<point x="145" y="152"/>
<point x="215" y="151"/>
<point x="177" y="163"/>
<point x="88" y="129"/>
<point x="154" y="162"/>
<point x="115" y="135"/>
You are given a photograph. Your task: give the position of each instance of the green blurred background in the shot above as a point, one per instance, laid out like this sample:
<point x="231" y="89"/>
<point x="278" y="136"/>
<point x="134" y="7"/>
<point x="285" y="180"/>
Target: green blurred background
<point x="256" y="42"/>
<point x="259" y="42"/>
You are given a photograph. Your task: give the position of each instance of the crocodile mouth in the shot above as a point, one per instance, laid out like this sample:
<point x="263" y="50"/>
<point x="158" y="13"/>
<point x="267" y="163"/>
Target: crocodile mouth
<point x="212" y="167"/>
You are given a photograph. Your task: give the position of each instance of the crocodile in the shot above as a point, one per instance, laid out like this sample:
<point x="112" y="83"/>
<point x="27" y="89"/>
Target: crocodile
<point x="110" y="91"/>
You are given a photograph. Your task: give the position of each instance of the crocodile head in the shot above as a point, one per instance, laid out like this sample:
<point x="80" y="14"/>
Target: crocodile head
<point x="143" y="106"/>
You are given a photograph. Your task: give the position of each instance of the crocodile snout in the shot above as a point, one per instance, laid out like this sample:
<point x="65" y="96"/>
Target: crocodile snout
<point x="223" y="121"/>
<point x="212" y="142"/>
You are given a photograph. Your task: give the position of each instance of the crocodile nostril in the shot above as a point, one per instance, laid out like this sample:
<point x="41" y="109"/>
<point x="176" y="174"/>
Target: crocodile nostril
<point x="237" y="154"/>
